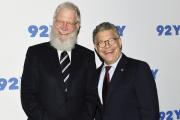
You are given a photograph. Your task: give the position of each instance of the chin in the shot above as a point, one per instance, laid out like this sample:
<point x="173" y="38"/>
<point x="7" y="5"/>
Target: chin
<point x="63" y="42"/>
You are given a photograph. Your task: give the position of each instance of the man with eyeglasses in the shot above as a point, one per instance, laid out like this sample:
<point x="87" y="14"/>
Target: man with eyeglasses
<point x="58" y="81"/>
<point x="126" y="86"/>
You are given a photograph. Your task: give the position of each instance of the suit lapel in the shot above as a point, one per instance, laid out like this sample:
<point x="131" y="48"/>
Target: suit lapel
<point x="52" y="61"/>
<point x="75" y="60"/>
<point x="99" y="72"/>
<point x="118" y="75"/>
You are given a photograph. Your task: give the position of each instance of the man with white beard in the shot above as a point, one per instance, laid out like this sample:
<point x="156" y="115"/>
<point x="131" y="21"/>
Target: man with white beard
<point x="58" y="80"/>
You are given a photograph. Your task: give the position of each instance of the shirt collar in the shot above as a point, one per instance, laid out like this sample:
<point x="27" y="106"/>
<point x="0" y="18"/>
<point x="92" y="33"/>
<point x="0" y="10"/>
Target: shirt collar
<point x="60" y="51"/>
<point x="114" y="64"/>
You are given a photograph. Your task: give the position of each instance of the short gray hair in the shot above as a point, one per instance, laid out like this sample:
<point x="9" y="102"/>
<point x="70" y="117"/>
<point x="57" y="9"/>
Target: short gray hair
<point x="104" y="26"/>
<point x="68" y="5"/>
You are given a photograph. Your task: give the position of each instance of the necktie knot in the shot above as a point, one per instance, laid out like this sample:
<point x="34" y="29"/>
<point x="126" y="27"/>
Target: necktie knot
<point x="108" y="68"/>
<point x="64" y="55"/>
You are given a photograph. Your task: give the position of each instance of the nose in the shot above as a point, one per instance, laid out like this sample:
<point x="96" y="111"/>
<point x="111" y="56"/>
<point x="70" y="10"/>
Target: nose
<point x="64" y="26"/>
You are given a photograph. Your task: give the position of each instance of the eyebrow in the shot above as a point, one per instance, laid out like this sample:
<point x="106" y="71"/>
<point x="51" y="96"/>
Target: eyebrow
<point x="108" y="39"/>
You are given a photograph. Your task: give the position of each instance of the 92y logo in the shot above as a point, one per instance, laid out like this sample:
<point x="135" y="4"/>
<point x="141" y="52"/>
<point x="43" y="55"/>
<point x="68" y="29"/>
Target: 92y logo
<point x="10" y="84"/>
<point x="168" y="30"/>
<point x="170" y="115"/>
<point x="120" y="29"/>
<point x="40" y="31"/>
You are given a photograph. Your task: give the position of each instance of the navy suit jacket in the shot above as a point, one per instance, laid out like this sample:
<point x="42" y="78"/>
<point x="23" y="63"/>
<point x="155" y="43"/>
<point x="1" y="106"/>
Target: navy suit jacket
<point x="42" y="88"/>
<point x="132" y="94"/>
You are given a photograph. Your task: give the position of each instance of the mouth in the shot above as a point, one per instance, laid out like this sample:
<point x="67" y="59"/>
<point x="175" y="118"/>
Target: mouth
<point x="61" y="32"/>
<point x="109" y="52"/>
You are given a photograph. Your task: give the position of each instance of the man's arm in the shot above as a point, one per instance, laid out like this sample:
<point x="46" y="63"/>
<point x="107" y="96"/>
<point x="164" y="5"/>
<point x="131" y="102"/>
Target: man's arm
<point x="29" y="88"/>
<point x="91" y="90"/>
<point x="146" y="93"/>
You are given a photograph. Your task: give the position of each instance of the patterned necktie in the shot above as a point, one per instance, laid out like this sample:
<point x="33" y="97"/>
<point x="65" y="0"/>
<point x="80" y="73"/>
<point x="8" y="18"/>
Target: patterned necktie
<point x="106" y="85"/>
<point x="65" y="63"/>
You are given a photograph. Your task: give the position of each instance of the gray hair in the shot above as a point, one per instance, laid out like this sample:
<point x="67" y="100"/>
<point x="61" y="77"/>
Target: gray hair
<point x="68" y="5"/>
<point x="104" y="26"/>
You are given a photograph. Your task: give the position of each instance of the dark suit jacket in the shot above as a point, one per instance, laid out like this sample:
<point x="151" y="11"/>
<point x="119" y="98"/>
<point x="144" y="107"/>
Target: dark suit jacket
<point x="42" y="87"/>
<point x="132" y="94"/>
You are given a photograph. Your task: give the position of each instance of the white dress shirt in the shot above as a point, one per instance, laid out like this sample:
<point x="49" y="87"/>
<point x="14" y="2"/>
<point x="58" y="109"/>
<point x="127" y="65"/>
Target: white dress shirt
<point x="102" y="74"/>
<point x="59" y="54"/>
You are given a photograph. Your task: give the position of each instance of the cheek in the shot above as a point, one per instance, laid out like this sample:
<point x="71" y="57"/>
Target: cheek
<point x="55" y="28"/>
<point x="99" y="51"/>
<point x="102" y="54"/>
<point x="72" y="29"/>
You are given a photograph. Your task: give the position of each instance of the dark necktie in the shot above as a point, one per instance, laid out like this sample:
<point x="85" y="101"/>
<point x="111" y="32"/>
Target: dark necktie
<point x="65" y="63"/>
<point x="106" y="85"/>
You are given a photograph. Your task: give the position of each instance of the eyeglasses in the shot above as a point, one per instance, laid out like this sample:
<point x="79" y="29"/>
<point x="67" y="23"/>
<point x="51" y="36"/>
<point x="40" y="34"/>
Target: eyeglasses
<point x="69" y="24"/>
<point x="110" y="42"/>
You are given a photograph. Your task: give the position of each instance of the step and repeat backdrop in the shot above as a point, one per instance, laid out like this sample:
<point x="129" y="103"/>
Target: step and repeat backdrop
<point x="150" y="31"/>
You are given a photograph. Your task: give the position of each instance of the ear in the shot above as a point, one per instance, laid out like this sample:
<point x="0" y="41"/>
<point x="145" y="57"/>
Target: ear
<point x="95" y="47"/>
<point x="78" y="25"/>
<point x="120" y="43"/>
<point x="78" y="28"/>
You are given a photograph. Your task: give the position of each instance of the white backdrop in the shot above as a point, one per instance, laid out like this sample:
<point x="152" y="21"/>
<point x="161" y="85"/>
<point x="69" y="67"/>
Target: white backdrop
<point x="150" y="31"/>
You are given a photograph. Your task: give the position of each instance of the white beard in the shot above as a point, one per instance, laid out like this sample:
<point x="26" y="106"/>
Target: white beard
<point x="63" y="44"/>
